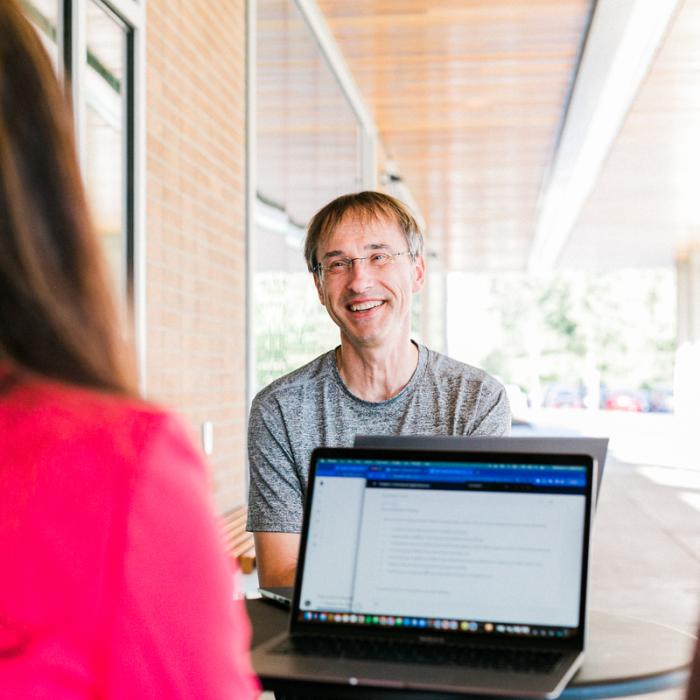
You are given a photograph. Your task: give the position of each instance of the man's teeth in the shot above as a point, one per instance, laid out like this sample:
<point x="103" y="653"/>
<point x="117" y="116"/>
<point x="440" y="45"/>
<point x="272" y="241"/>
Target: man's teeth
<point x="366" y="305"/>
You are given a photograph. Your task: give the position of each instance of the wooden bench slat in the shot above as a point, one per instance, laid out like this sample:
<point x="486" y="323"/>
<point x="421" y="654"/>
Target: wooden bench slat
<point x="232" y="520"/>
<point x="239" y="543"/>
<point x="245" y="548"/>
<point x="238" y="538"/>
<point x="234" y="529"/>
<point x="246" y="563"/>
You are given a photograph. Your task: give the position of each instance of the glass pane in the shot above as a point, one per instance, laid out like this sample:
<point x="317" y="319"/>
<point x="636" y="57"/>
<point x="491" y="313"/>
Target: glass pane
<point x="44" y="16"/>
<point x="105" y="137"/>
<point x="564" y="340"/>
<point x="308" y="153"/>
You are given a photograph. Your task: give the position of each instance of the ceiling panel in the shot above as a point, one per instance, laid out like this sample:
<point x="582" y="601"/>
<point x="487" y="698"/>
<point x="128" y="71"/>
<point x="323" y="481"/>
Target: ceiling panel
<point x="468" y="99"/>
<point x="307" y="145"/>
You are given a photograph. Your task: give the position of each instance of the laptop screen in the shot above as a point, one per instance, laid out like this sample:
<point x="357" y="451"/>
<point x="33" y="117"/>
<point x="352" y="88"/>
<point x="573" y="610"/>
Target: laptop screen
<point x="484" y="544"/>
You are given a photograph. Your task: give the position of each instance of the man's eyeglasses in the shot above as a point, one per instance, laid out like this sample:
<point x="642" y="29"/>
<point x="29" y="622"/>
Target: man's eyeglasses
<point x="343" y="266"/>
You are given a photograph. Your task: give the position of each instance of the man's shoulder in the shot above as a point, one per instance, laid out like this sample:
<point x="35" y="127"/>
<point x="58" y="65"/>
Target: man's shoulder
<point x="298" y="381"/>
<point x="473" y="394"/>
<point x="443" y="367"/>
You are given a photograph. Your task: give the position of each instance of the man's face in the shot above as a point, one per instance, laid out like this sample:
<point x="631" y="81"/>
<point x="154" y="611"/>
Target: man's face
<point x="371" y="306"/>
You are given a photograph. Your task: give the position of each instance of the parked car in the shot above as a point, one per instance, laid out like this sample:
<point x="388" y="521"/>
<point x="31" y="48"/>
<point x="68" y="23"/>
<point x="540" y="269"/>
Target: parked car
<point x="661" y="400"/>
<point x="627" y="400"/>
<point x="563" y="396"/>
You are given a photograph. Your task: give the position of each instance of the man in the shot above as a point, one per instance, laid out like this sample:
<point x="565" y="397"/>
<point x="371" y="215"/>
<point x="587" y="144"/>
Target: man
<point x="365" y="252"/>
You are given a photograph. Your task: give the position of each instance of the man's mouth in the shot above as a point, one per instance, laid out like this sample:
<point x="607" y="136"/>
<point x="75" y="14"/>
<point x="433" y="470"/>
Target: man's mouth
<point x="365" y="305"/>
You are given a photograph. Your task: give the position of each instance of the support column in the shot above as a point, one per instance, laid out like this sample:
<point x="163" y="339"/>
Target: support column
<point x="686" y="388"/>
<point x="434" y="306"/>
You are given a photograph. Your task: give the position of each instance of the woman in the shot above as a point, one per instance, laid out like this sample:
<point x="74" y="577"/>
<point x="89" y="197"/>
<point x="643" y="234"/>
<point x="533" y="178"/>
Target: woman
<point x="114" y="582"/>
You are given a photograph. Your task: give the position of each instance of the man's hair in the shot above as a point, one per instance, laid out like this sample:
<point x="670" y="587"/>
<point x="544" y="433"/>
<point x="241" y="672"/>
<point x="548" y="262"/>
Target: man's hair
<point x="366" y="206"/>
<point x="57" y="316"/>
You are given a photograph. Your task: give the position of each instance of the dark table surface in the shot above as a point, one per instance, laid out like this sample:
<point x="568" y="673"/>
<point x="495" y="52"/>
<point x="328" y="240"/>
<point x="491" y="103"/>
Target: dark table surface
<point x="624" y="655"/>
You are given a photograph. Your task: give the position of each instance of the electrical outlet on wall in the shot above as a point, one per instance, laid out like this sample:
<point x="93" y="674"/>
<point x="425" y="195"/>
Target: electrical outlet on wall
<point x="207" y="432"/>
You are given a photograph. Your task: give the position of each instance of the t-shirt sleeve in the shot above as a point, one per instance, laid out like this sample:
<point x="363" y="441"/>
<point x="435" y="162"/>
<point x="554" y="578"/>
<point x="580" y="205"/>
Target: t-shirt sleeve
<point x="276" y="497"/>
<point x="493" y="416"/>
<point x="177" y="631"/>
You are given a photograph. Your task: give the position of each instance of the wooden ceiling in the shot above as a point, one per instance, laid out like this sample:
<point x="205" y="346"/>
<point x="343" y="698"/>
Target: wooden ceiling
<point x="307" y="135"/>
<point x="468" y="98"/>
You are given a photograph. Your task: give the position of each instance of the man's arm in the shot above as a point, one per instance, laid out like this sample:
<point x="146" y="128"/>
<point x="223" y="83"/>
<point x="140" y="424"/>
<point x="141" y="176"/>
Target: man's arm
<point x="275" y="507"/>
<point x="276" y="554"/>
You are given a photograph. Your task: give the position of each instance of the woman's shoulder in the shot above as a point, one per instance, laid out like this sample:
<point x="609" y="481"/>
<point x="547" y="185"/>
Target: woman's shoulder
<point x="46" y="415"/>
<point x="79" y="457"/>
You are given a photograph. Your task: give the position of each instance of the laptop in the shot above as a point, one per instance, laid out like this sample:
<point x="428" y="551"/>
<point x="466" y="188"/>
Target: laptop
<point x="435" y="571"/>
<point x="281" y="595"/>
<point x="596" y="447"/>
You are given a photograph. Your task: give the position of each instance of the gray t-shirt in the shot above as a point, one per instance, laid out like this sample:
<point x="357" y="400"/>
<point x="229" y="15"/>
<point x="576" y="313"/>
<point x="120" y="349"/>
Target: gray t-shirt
<point x="311" y="407"/>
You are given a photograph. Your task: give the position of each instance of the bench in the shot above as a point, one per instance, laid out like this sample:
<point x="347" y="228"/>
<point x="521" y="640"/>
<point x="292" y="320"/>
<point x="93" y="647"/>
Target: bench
<point x="239" y="543"/>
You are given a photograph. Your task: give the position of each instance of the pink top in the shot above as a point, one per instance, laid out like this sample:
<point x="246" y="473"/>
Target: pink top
<point x="113" y="582"/>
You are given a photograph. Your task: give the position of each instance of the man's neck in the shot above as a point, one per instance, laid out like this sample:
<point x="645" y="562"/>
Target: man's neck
<point x="376" y="374"/>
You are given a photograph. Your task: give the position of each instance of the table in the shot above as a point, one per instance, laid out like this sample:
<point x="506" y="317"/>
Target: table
<point x="625" y="656"/>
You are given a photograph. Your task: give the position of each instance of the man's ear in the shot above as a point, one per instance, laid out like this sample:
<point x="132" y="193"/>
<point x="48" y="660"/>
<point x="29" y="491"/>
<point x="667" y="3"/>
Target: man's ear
<point x="418" y="274"/>
<point x="319" y="288"/>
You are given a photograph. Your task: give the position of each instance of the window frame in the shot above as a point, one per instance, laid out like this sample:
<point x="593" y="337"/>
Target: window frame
<point x="72" y="50"/>
<point x="367" y="131"/>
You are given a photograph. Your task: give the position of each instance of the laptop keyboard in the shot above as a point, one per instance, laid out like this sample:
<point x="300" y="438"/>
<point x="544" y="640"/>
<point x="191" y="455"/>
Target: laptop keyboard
<point x="517" y="660"/>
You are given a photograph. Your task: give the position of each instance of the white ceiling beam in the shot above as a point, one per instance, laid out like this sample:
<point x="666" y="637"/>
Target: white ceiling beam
<point x="622" y="41"/>
<point x="336" y="61"/>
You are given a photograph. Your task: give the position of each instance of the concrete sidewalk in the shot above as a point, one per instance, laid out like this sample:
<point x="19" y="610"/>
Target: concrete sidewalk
<point x="646" y="547"/>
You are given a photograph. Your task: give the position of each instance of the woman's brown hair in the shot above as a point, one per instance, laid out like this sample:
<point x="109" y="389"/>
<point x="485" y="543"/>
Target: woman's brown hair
<point x="57" y="317"/>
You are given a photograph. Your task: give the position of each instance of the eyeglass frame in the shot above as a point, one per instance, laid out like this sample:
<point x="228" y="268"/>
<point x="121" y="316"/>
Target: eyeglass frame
<point x="321" y="269"/>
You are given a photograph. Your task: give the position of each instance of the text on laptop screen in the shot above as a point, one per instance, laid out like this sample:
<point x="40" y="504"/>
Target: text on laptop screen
<point x="472" y="546"/>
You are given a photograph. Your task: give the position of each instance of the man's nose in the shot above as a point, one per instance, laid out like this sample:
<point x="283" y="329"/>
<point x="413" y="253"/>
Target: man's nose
<point x="360" y="277"/>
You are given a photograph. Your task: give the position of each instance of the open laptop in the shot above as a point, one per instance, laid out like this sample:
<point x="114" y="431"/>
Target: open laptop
<point x="440" y="572"/>
<point x="281" y="595"/>
<point x="596" y="447"/>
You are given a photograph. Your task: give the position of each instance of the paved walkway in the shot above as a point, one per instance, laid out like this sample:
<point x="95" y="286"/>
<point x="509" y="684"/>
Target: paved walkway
<point x="646" y="547"/>
<point x="645" y="553"/>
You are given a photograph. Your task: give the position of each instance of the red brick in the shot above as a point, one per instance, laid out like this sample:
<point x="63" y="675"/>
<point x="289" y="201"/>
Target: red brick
<point x="195" y="222"/>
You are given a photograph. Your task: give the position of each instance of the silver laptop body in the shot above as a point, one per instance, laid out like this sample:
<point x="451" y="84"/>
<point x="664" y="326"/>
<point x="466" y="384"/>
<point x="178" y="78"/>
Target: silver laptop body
<point x="440" y="555"/>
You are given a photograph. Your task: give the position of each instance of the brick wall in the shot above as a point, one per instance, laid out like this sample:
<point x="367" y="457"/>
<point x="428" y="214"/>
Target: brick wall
<point x="195" y="224"/>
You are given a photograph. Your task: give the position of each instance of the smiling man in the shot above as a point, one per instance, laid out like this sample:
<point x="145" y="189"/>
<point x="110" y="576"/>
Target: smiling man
<point x="365" y="252"/>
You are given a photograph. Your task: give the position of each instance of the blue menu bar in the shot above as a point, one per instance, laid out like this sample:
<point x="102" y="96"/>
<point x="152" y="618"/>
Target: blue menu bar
<point x="545" y="475"/>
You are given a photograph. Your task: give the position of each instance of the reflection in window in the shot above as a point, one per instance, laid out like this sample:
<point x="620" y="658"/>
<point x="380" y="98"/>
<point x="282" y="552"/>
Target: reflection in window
<point x="308" y="152"/>
<point x="106" y="133"/>
<point x="291" y="325"/>
<point x="44" y="16"/>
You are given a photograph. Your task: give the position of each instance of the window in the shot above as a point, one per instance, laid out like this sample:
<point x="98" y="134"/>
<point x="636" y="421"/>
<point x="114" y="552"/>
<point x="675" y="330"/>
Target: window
<point x="309" y="151"/>
<point x="98" y="44"/>
<point x="106" y="137"/>
<point x="44" y="16"/>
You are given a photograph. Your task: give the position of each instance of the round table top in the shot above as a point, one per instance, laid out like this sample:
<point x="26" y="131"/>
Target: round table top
<point x="621" y="648"/>
<point x="624" y="655"/>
